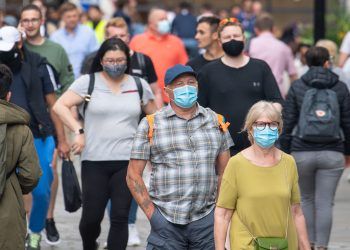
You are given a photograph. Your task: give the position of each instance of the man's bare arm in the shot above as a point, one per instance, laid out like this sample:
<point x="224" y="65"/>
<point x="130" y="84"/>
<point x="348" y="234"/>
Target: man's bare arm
<point x="138" y="188"/>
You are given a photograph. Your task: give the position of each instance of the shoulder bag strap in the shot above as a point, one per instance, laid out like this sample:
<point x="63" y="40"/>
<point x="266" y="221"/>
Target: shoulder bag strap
<point x="150" y="120"/>
<point x="90" y="90"/>
<point x="141" y="61"/>
<point x="139" y="88"/>
<point x="222" y="124"/>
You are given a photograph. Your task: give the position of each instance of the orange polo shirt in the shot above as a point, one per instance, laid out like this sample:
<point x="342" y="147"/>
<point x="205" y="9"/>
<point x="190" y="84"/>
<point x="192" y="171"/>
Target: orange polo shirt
<point x="165" y="52"/>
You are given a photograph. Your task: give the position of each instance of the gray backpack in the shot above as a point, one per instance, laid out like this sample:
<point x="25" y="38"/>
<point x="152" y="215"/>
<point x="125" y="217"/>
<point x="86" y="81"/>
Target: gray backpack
<point x="3" y="152"/>
<point x="319" y="119"/>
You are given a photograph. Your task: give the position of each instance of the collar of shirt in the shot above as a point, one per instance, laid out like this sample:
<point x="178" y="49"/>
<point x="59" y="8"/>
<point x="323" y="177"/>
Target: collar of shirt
<point x="150" y="35"/>
<point x="75" y="31"/>
<point x="266" y="34"/>
<point x="169" y="112"/>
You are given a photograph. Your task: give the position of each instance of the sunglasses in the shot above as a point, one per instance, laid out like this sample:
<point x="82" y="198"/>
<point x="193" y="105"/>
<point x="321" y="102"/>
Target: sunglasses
<point x="228" y="20"/>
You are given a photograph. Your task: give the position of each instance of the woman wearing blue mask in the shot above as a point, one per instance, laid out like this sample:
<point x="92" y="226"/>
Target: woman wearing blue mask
<point x="110" y="122"/>
<point x="259" y="192"/>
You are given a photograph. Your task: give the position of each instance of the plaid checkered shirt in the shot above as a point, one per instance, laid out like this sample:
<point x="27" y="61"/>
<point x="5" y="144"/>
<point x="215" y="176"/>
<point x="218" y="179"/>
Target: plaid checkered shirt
<point x="183" y="154"/>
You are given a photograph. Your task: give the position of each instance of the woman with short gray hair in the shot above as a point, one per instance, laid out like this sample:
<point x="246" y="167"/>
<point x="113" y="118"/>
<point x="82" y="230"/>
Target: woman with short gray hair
<point x="259" y="191"/>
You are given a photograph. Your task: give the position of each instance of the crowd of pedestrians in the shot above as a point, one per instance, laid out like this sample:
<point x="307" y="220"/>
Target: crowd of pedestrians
<point x="245" y="135"/>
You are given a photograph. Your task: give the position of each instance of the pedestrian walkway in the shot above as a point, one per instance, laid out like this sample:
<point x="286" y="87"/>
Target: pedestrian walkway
<point x="68" y="224"/>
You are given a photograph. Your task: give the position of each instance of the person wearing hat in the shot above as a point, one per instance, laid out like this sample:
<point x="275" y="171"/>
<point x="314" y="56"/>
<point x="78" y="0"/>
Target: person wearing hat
<point x="188" y="147"/>
<point x="33" y="89"/>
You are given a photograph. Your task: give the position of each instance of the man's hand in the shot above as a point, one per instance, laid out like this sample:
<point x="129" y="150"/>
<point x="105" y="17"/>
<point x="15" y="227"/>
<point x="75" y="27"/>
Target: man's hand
<point x="150" y="211"/>
<point x="63" y="149"/>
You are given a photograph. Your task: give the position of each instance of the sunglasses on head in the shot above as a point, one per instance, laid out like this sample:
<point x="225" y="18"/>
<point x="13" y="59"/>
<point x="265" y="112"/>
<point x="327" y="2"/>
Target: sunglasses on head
<point x="228" y="20"/>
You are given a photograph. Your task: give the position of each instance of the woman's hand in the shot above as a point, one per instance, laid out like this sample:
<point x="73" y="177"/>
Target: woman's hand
<point x="78" y="144"/>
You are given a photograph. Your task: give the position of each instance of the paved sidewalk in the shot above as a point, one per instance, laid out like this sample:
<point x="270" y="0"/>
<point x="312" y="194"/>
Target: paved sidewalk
<point x="67" y="223"/>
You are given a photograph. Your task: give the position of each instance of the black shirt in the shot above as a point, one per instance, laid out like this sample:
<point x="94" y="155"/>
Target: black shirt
<point x="197" y="63"/>
<point x="232" y="91"/>
<point x="20" y="98"/>
<point x="146" y="71"/>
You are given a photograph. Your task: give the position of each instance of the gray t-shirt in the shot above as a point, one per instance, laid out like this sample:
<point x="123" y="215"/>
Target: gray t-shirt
<point x="111" y="119"/>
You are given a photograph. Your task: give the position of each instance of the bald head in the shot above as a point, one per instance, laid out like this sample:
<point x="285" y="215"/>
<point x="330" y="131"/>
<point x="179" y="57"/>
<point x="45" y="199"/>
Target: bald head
<point x="155" y="16"/>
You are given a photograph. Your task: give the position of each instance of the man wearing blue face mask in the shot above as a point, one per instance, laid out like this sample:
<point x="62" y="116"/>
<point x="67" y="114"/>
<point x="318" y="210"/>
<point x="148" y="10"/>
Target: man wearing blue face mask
<point x="188" y="147"/>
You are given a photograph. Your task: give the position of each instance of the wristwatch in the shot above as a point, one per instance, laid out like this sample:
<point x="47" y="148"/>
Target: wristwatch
<point x="79" y="132"/>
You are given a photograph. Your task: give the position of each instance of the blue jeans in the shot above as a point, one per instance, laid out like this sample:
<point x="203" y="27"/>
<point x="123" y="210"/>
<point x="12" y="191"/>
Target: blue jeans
<point x="41" y="194"/>
<point x="132" y="212"/>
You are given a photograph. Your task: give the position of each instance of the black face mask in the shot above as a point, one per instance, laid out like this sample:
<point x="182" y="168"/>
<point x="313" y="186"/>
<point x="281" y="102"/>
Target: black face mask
<point x="233" y="47"/>
<point x="12" y="59"/>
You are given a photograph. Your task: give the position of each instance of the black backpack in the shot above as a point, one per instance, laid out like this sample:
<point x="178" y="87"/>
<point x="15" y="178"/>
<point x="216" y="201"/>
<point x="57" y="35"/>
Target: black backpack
<point x="319" y="119"/>
<point x="141" y="60"/>
<point x="91" y="89"/>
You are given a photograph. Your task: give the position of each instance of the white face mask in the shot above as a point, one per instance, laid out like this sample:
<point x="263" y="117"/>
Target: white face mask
<point x="163" y="27"/>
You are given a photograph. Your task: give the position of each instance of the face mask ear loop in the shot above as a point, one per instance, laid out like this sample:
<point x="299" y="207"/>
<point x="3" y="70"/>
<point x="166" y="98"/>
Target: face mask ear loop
<point x="168" y="94"/>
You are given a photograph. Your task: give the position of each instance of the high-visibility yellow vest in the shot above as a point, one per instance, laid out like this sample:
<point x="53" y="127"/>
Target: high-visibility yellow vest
<point x="99" y="30"/>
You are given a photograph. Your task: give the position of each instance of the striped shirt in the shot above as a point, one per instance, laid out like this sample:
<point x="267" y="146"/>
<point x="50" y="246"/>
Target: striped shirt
<point x="183" y="155"/>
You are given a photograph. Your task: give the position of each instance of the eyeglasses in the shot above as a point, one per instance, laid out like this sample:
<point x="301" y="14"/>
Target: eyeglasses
<point x="114" y="61"/>
<point x="228" y="20"/>
<point x="34" y="21"/>
<point x="262" y="125"/>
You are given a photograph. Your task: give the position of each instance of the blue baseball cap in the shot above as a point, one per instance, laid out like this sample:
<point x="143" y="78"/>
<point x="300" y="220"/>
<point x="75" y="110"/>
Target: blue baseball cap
<point x="176" y="71"/>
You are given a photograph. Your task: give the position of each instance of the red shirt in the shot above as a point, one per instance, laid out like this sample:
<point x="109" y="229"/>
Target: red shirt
<point x="165" y="51"/>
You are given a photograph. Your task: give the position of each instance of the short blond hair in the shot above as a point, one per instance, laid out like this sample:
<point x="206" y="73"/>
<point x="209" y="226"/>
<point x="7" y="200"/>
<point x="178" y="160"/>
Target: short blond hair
<point x="259" y="109"/>
<point x="330" y="46"/>
<point x="117" y="22"/>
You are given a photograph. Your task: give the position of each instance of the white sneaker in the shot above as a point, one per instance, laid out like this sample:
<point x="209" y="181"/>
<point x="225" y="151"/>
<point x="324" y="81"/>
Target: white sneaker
<point x="134" y="239"/>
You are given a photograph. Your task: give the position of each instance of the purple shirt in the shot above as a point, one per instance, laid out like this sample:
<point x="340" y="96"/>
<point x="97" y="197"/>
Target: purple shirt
<point x="277" y="55"/>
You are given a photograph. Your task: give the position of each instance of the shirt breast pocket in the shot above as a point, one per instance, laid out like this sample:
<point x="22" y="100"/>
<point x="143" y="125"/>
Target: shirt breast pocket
<point x="208" y="137"/>
<point x="169" y="145"/>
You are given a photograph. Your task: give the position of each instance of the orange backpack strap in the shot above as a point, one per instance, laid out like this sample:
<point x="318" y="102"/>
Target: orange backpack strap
<point x="150" y="120"/>
<point x="223" y="126"/>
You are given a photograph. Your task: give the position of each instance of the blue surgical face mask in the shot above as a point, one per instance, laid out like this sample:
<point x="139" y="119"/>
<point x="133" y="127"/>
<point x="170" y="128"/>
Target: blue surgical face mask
<point x="163" y="27"/>
<point x="265" y="138"/>
<point x="186" y="96"/>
